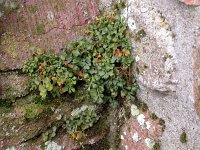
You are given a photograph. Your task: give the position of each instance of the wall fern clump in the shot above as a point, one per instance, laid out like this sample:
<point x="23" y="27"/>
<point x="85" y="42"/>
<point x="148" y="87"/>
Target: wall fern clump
<point x="100" y="63"/>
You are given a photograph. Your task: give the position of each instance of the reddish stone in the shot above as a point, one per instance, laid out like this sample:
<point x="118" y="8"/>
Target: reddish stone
<point x="132" y="126"/>
<point x="192" y="2"/>
<point x="43" y="24"/>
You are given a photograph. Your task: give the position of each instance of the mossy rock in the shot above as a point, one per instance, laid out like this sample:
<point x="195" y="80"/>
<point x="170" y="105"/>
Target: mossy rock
<point x="28" y="119"/>
<point x="13" y="85"/>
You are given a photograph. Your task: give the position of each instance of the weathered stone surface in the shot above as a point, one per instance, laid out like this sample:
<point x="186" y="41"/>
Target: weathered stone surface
<point x="63" y="142"/>
<point x="22" y="127"/>
<point x="13" y="85"/>
<point x="27" y="120"/>
<point x="166" y="60"/>
<point x="42" y="24"/>
<point x="196" y="69"/>
<point x="140" y="132"/>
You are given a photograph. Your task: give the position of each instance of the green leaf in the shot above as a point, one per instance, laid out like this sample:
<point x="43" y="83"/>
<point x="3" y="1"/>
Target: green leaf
<point x="65" y="89"/>
<point x="76" y="53"/>
<point x="41" y="88"/>
<point x="101" y="73"/>
<point x="36" y="81"/>
<point x="49" y="87"/>
<point x="46" y="81"/>
<point x="93" y="93"/>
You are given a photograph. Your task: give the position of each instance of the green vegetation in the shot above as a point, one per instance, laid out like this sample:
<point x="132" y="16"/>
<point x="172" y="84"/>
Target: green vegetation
<point x="5" y="106"/>
<point x="140" y="34"/>
<point x="33" y="111"/>
<point x="156" y="146"/>
<point x="98" y="64"/>
<point x="101" y="62"/>
<point x="10" y="42"/>
<point x="40" y="28"/>
<point x="50" y="134"/>
<point x="183" y="137"/>
<point x="141" y="105"/>
<point x="33" y="9"/>
<point x="162" y="123"/>
<point x="117" y="7"/>
<point x="81" y="119"/>
<point x="154" y="116"/>
<point x="6" y="5"/>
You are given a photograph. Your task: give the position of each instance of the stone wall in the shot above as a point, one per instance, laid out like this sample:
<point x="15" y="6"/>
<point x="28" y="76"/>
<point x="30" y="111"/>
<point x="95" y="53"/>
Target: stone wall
<point x="36" y="26"/>
<point x="168" y="65"/>
<point x="166" y="41"/>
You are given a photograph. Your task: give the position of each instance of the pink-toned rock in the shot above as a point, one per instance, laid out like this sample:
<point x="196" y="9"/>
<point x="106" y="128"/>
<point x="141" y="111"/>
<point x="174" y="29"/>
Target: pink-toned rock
<point x="135" y="136"/>
<point x="192" y="2"/>
<point x="49" y="25"/>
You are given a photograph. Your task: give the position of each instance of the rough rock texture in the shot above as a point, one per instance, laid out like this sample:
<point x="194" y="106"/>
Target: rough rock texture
<point x="23" y="124"/>
<point x="41" y="24"/>
<point x="196" y="69"/>
<point x="36" y="25"/>
<point x="13" y="85"/>
<point x="26" y="120"/>
<point x="168" y="60"/>
<point x="140" y="132"/>
<point x="166" y="40"/>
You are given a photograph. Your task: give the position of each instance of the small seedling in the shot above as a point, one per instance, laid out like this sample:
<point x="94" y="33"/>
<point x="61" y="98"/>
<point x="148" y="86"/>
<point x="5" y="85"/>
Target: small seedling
<point x="144" y="107"/>
<point x="140" y="34"/>
<point x="162" y="123"/>
<point x="50" y="134"/>
<point x="119" y="6"/>
<point x="183" y="137"/>
<point x="141" y="105"/>
<point x="154" y="116"/>
<point x="156" y="146"/>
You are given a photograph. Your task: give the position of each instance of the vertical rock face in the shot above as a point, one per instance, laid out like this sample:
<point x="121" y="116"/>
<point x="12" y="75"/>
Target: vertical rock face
<point x="47" y="25"/>
<point x="166" y="46"/>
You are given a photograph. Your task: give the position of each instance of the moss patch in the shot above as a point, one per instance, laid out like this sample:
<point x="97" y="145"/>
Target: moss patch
<point x="140" y="34"/>
<point x="33" y="111"/>
<point x="10" y="43"/>
<point x="32" y="9"/>
<point x="154" y="116"/>
<point x="156" y="146"/>
<point x="162" y="123"/>
<point x="183" y="137"/>
<point x="40" y="28"/>
<point x="141" y="105"/>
